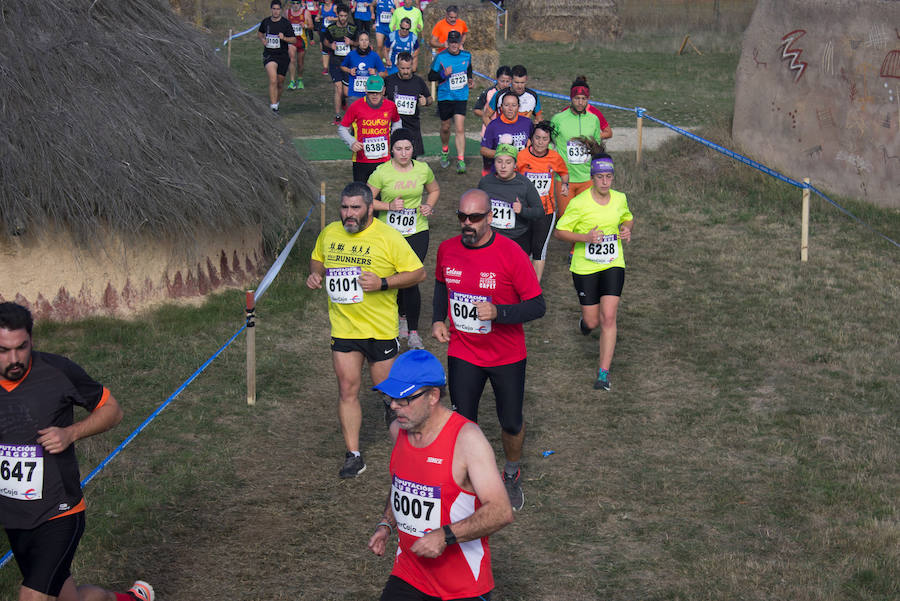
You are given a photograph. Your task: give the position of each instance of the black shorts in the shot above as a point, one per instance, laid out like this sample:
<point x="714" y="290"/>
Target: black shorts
<point x="45" y="553"/>
<point x="590" y="288"/>
<point x="523" y="240"/>
<point x="541" y="228"/>
<point x="282" y="61"/>
<point x="466" y="381"/>
<point x="448" y="108"/>
<point x="373" y="350"/>
<point x="334" y="70"/>
<point x="362" y="171"/>
<point x="398" y="589"/>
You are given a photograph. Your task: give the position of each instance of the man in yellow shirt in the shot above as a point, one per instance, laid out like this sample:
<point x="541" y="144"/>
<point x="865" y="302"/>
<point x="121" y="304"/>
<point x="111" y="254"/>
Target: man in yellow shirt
<point x="361" y="262"/>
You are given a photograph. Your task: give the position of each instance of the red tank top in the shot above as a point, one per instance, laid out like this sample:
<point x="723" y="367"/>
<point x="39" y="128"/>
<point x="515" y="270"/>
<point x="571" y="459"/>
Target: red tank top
<point x="425" y="497"/>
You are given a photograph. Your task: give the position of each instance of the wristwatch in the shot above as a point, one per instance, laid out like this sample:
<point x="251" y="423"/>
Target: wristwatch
<point x="449" y="537"/>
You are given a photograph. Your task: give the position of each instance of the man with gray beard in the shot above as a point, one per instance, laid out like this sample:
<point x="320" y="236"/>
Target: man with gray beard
<point x="361" y="262"/>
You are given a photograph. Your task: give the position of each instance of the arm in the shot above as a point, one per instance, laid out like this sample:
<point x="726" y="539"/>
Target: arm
<point x="439" y="312"/>
<point x="433" y="192"/>
<point x="402" y="279"/>
<point x="532" y="208"/>
<point x="625" y="230"/>
<point x="486" y="152"/>
<point x="379" y="205"/>
<point x="316" y="274"/>
<point x="351" y="142"/>
<point x="56" y="440"/>
<point x="529" y="310"/>
<point x="435" y="43"/>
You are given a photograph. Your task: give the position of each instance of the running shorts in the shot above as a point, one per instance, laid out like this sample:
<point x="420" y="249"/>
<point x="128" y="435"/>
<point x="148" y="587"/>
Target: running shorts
<point x="448" y="108"/>
<point x="373" y="350"/>
<point x="590" y="288"/>
<point x="541" y="229"/>
<point x="282" y="61"/>
<point x="398" y="589"/>
<point x="45" y="553"/>
<point x="466" y="381"/>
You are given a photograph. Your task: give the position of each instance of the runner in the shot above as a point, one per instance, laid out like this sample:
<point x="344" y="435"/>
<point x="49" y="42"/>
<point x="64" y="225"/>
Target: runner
<point x="515" y="203"/>
<point x="487" y="282"/>
<point x="446" y="495"/>
<point x="340" y="38"/>
<point x="529" y="101"/>
<point x="41" y="503"/>
<point x="453" y="69"/>
<point x="510" y="128"/>
<point x="373" y="119"/>
<point x="359" y="65"/>
<point x="504" y="77"/>
<point x="301" y="22"/>
<point x="276" y="34"/>
<point x="312" y="9"/>
<point x="547" y="170"/>
<point x="413" y="13"/>
<point x="403" y="183"/>
<point x="327" y="16"/>
<point x="384" y="10"/>
<point x="581" y="82"/>
<point x="442" y="28"/>
<point x="363" y="13"/>
<point x="569" y="126"/>
<point x="399" y="41"/>
<point x="361" y="262"/>
<point x="596" y="221"/>
<point x="409" y="92"/>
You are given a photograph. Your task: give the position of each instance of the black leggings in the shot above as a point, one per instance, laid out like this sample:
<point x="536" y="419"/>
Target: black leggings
<point x="467" y="382"/>
<point x="409" y="300"/>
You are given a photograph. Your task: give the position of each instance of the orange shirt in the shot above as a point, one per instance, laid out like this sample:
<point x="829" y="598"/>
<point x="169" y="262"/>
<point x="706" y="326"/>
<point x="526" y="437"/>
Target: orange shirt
<point x="442" y="29"/>
<point x="540" y="170"/>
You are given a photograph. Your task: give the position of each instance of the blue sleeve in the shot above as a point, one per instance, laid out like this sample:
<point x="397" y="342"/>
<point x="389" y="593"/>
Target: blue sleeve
<point x="346" y="62"/>
<point x="378" y="63"/>
<point x="537" y="103"/>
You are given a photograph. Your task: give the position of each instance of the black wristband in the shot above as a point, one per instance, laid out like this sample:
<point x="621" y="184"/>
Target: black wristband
<point x="384" y="284"/>
<point x="449" y="537"/>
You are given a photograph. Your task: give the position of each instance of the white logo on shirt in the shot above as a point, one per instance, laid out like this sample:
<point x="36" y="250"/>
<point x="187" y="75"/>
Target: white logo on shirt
<point x="437" y="460"/>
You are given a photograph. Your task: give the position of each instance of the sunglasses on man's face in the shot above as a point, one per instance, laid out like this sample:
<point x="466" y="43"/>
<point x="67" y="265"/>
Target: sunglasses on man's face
<point x="472" y="217"/>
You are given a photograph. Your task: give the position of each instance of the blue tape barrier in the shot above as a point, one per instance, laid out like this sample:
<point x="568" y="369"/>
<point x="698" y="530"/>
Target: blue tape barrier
<point x="642" y="112"/>
<point x="146" y="422"/>
<point x="237" y="35"/>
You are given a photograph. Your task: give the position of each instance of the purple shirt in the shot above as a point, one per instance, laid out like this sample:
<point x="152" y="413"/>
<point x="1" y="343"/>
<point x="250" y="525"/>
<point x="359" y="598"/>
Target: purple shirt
<point x="518" y="131"/>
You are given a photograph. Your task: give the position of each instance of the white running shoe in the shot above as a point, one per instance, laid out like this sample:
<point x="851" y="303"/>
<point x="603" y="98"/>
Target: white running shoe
<point x="142" y="591"/>
<point x="415" y="341"/>
<point x="404" y="327"/>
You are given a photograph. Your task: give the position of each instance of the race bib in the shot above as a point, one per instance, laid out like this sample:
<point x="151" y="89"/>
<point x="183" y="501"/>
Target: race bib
<point x="312" y="6"/>
<point x="458" y="81"/>
<point x="375" y="148"/>
<point x="404" y="220"/>
<point x="541" y="181"/>
<point x="504" y="218"/>
<point x="341" y="49"/>
<point x="384" y="18"/>
<point x="272" y="41"/>
<point x="343" y="285"/>
<point x="605" y="251"/>
<point x="417" y="507"/>
<point x="359" y="84"/>
<point x="527" y="103"/>
<point x="22" y="471"/>
<point x="406" y="105"/>
<point x="464" y="314"/>
<point x="576" y="153"/>
<point x="298" y="28"/>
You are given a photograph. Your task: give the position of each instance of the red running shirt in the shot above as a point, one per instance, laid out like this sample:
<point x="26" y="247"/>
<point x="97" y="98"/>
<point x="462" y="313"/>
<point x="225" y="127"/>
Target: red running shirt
<point x="425" y="496"/>
<point x="372" y="128"/>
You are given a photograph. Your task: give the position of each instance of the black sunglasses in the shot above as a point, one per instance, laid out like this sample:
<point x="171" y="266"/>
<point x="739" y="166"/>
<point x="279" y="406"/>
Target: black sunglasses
<point x="472" y="217"/>
<point x="404" y="401"/>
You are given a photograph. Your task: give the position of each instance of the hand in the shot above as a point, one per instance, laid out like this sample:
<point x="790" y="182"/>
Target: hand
<point x="387" y="63"/>
<point x="448" y="71"/>
<point x="369" y="281"/>
<point x="347" y="40"/>
<point x="55" y="440"/>
<point x="356" y="146"/>
<point x="564" y="189"/>
<point x="372" y="71"/>
<point x="594" y="235"/>
<point x="422" y="100"/>
<point x="314" y="281"/>
<point x="440" y="332"/>
<point x="625" y="233"/>
<point x="396" y="204"/>
<point x="426" y="209"/>
<point x="431" y="545"/>
<point x="378" y="541"/>
<point x="486" y="311"/>
<point x="517" y="206"/>
<point x="353" y="71"/>
<point x="280" y="36"/>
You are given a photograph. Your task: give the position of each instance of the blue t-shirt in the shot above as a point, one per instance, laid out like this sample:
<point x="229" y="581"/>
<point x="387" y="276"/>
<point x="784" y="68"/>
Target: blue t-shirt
<point x="362" y="12"/>
<point x="398" y="44"/>
<point x="382" y="23"/>
<point x="328" y="16"/>
<point x="356" y="87"/>
<point x="456" y="86"/>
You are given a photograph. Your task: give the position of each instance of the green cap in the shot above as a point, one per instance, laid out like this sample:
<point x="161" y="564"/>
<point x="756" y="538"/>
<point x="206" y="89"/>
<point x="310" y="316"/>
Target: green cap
<point x="374" y="84"/>
<point x="507" y="150"/>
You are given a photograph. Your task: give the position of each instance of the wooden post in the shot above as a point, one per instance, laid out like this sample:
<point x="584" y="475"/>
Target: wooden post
<point x="640" y="135"/>
<point x="251" y="349"/>
<point x="434" y="90"/>
<point x="804" y="224"/>
<point x="683" y="44"/>
<point x="322" y="207"/>
<point x="228" y="60"/>
<point x="505" y="24"/>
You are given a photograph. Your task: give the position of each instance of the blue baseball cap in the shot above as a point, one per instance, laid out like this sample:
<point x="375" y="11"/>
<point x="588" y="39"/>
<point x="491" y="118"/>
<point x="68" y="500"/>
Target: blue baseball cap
<point x="411" y="371"/>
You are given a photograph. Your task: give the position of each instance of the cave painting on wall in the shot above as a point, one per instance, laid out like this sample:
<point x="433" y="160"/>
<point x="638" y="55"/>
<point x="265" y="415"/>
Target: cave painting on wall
<point x="793" y="54"/>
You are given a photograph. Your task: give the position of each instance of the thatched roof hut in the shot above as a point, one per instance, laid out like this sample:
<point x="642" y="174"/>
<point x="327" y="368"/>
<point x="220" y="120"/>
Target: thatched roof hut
<point x="569" y="21"/>
<point x="132" y="167"/>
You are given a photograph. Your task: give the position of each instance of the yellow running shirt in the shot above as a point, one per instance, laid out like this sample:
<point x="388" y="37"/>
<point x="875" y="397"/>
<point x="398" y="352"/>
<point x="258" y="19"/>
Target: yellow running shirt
<point x="581" y="216"/>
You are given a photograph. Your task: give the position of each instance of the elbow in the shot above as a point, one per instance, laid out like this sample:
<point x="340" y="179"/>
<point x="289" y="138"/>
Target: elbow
<point x="420" y="276"/>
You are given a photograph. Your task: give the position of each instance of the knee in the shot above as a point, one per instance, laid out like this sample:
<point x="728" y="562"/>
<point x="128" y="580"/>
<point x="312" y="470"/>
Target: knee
<point x="592" y="321"/>
<point x="608" y="320"/>
<point x="512" y="422"/>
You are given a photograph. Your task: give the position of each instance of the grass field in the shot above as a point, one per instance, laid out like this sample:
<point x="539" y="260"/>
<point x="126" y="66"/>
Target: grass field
<point x="748" y="450"/>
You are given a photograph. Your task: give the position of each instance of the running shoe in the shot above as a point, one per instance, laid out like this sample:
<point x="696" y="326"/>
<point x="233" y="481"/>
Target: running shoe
<point x="141" y="591"/>
<point x="353" y="466"/>
<point x="583" y="328"/>
<point x="292" y="85"/>
<point x="514" y="490"/>
<point x="445" y="158"/>
<point x="274" y="109"/>
<point x="324" y="71"/>
<point x="461" y="167"/>
<point x="415" y="341"/>
<point x="404" y="327"/>
<point x="602" y="382"/>
<point x="299" y="83"/>
<point x="337" y="120"/>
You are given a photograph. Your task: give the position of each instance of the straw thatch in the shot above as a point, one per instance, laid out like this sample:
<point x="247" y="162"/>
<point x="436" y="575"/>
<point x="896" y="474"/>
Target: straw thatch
<point x="480" y="18"/>
<point x="569" y="21"/>
<point x="126" y="119"/>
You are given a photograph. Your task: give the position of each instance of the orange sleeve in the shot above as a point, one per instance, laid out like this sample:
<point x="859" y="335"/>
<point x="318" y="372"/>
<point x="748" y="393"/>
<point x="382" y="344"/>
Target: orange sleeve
<point x="103" y="398"/>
